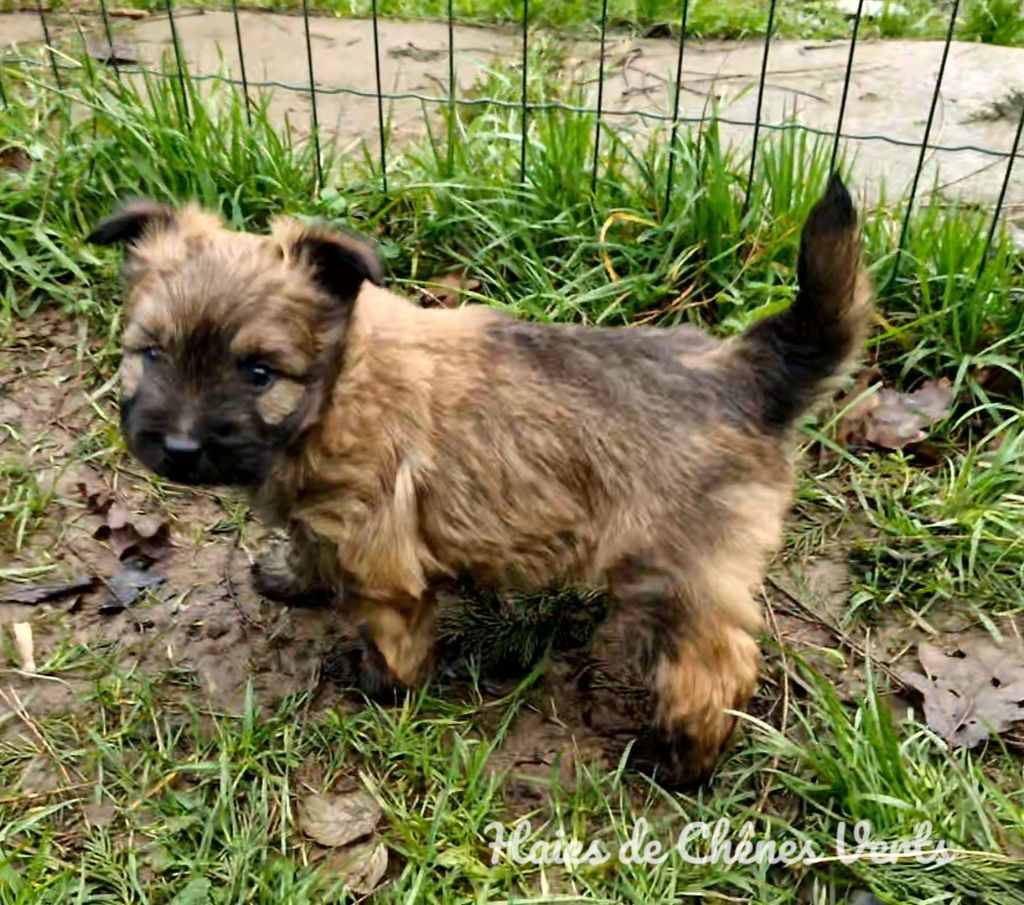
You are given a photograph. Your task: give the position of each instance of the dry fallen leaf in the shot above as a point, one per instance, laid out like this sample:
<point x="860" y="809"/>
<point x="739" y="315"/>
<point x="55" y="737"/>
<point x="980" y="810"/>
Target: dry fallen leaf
<point x="447" y="290"/>
<point x="894" y="420"/>
<point x="15" y="158"/>
<point x="118" y="53"/>
<point x="125" y="585"/>
<point x="363" y="866"/>
<point x="974" y="695"/>
<point x="997" y="380"/>
<point x="131" y="534"/>
<point x="98" y="497"/>
<point x="336" y="820"/>
<point x="32" y="594"/>
<point x="99" y="814"/>
<point x="26" y="648"/>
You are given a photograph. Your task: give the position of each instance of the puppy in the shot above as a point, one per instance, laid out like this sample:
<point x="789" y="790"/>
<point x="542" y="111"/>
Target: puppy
<point x="400" y="445"/>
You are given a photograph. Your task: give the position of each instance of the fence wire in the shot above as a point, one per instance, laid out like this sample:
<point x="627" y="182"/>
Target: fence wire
<point x="178" y="62"/>
<point x="760" y="102"/>
<point x="452" y="102"/>
<point x="312" y="92"/>
<point x="912" y="196"/>
<point x="241" y="60"/>
<point x="524" y="106"/>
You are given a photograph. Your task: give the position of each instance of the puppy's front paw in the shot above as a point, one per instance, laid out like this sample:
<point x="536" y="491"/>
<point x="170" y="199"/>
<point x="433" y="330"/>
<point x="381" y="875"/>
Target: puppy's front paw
<point x="275" y="579"/>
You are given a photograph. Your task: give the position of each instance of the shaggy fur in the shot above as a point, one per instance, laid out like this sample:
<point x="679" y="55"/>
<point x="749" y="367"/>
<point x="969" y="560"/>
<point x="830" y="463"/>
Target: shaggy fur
<point x="400" y="445"/>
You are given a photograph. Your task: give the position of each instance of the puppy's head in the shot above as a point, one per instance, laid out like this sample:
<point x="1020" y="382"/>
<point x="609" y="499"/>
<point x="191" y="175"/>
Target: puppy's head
<point x="232" y="341"/>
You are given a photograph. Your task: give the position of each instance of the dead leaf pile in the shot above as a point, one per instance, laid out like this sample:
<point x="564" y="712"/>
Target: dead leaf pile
<point x="893" y="420"/>
<point x="137" y="540"/>
<point x="345" y="824"/>
<point x="131" y="534"/>
<point x="97" y="497"/>
<point x="974" y="694"/>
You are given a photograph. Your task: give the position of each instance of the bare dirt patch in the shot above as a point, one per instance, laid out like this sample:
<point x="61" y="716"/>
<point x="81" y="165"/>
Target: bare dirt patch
<point x="201" y="616"/>
<point x="204" y="615"/>
<point x="202" y="619"/>
<point x="194" y="610"/>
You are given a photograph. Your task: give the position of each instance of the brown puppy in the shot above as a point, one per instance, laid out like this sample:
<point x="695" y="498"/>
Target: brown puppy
<point x="402" y="445"/>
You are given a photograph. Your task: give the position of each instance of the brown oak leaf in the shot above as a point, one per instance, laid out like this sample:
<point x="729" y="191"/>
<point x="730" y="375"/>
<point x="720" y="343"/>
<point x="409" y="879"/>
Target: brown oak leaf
<point x="131" y="534"/>
<point x="893" y="420"/>
<point x="974" y="694"/>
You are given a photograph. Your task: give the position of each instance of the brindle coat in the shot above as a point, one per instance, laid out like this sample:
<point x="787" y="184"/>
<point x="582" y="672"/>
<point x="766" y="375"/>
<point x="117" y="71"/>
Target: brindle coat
<point x="401" y="445"/>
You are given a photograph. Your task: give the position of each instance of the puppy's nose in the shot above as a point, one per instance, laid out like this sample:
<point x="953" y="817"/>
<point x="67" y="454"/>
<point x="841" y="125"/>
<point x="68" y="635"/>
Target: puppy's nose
<point x="182" y="448"/>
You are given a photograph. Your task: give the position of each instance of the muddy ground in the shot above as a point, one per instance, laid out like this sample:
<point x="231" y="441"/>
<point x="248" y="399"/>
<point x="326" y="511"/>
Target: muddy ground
<point x="204" y="618"/>
<point x="199" y="612"/>
<point x="61" y="457"/>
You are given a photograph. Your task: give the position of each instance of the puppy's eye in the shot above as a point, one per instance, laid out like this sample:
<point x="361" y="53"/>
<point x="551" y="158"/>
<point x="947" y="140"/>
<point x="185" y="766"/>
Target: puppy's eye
<point x="258" y="374"/>
<point x="152" y="353"/>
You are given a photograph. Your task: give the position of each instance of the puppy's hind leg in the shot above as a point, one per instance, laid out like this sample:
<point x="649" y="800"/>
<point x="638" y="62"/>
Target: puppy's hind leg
<point x="691" y="653"/>
<point x="714" y="669"/>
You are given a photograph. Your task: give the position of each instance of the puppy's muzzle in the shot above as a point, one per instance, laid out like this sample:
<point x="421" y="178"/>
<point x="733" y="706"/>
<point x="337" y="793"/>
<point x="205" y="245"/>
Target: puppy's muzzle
<point x="182" y="453"/>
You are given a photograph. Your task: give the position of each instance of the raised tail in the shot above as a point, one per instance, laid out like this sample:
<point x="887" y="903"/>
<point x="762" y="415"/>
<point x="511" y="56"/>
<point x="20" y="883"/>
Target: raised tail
<point x="793" y="354"/>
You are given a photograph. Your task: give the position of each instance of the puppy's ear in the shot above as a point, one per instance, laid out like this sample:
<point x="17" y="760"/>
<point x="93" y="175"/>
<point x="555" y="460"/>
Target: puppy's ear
<point x="340" y="262"/>
<point x="130" y="220"/>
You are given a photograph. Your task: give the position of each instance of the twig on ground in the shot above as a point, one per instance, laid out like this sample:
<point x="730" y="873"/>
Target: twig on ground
<point x="229" y="585"/>
<point x="49" y="793"/>
<point x="843" y="637"/>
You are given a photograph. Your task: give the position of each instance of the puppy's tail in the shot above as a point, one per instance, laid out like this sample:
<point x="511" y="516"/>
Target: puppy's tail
<point x="793" y="354"/>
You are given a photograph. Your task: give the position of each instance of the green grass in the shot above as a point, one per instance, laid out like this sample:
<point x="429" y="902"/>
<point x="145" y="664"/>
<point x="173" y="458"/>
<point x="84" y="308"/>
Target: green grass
<point x="994" y="22"/>
<point x="190" y="805"/>
<point x="200" y="805"/>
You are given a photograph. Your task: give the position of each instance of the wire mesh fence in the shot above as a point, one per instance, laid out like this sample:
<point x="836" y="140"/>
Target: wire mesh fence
<point x="62" y="61"/>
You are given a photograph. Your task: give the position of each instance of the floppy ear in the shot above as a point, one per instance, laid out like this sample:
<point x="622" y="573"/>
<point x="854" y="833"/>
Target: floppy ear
<point x="340" y="262"/>
<point x="130" y="220"/>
